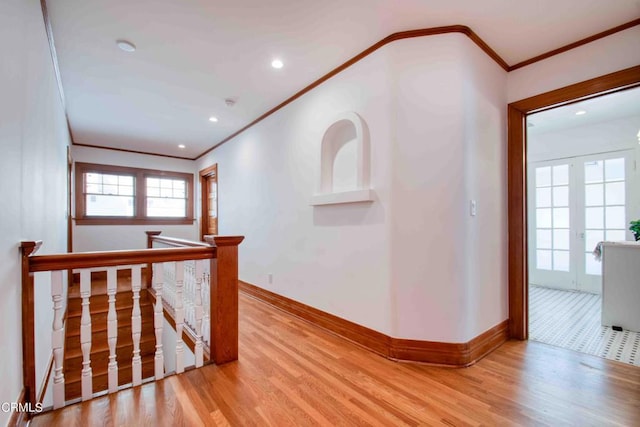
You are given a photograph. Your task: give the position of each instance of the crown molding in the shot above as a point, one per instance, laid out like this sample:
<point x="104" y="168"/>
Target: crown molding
<point x="574" y="45"/>
<point x="425" y="32"/>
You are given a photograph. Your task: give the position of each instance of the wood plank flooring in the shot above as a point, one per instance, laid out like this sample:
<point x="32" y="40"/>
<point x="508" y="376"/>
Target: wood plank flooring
<point x="292" y="373"/>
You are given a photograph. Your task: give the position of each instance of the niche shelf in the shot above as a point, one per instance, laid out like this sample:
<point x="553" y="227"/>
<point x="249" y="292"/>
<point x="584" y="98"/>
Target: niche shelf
<point x="344" y="162"/>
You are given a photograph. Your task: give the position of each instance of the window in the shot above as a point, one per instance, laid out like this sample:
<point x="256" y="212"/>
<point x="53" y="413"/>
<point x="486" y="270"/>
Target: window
<point x="108" y="194"/>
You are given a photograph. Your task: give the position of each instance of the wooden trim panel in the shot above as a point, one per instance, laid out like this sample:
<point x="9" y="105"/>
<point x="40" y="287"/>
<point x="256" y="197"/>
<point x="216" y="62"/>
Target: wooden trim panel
<point x="574" y="45"/>
<point x="440" y="353"/>
<point x="517" y="174"/>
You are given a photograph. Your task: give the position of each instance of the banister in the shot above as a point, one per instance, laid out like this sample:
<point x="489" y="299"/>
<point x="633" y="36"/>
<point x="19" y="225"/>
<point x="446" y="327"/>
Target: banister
<point x="119" y="257"/>
<point x="218" y="263"/>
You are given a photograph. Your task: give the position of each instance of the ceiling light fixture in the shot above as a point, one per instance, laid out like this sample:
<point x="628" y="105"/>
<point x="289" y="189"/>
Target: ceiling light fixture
<point x="125" y="45"/>
<point x="181" y="146"/>
<point x="277" y="64"/>
<point x="580" y="113"/>
<point x="213" y="119"/>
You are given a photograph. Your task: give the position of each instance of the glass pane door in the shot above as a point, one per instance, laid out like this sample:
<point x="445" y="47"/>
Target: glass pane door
<point x="604" y="200"/>
<point x="550" y="220"/>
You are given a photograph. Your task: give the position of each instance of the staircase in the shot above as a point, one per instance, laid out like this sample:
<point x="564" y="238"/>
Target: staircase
<point x="99" y="306"/>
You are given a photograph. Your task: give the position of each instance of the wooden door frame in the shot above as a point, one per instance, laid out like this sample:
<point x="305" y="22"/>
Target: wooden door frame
<point x="517" y="176"/>
<point x="204" y="205"/>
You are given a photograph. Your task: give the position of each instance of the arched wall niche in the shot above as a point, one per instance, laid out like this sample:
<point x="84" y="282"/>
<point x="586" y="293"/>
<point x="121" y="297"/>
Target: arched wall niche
<point x="344" y="162"/>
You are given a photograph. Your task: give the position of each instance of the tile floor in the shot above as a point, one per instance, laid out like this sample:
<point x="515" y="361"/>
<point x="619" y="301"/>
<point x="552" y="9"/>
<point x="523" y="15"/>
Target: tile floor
<point x="572" y="320"/>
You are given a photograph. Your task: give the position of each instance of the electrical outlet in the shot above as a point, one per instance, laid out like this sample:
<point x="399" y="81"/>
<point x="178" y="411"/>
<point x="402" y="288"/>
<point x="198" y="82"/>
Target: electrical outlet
<point x="473" y="208"/>
<point x="270" y="278"/>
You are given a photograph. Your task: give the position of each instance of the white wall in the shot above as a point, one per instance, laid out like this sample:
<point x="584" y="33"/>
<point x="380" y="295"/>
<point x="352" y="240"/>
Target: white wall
<point x="111" y="237"/>
<point x="614" y="53"/>
<point x="33" y="138"/>
<point x="412" y="264"/>
<point x="333" y="257"/>
<point x="449" y="269"/>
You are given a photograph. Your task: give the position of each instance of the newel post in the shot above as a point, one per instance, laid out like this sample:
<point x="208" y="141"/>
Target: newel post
<point x="224" y="298"/>
<point x="149" y="272"/>
<point x="28" y="322"/>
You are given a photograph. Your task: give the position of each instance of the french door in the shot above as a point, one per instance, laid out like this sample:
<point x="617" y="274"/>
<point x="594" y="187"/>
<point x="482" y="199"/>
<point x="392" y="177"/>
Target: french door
<point x="574" y="203"/>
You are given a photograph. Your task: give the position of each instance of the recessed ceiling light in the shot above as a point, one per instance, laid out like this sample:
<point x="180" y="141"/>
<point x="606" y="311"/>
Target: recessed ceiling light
<point x="277" y="64"/>
<point x="181" y="146"/>
<point x="213" y="119"/>
<point x="580" y="113"/>
<point x="125" y="45"/>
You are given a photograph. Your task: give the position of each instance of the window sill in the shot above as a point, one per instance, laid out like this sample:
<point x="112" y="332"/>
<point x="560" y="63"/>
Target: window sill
<point x="354" y="196"/>
<point x="134" y="221"/>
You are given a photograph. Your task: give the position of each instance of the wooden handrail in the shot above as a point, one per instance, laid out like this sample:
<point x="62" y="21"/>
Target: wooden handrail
<point x="113" y="258"/>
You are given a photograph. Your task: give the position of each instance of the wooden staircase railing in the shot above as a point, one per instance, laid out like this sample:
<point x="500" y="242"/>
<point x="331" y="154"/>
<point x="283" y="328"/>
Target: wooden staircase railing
<point x="210" y="269"/>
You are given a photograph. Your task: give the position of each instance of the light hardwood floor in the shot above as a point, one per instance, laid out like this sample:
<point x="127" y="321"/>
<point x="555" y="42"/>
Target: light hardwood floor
<point x="292" y="373"/>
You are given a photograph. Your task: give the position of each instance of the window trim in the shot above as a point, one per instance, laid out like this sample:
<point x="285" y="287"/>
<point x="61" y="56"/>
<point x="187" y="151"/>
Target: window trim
<point x="140" y="195"/>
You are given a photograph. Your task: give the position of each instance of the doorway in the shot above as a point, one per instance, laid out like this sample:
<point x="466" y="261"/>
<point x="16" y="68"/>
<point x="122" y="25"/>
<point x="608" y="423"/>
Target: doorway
<point x="517" y="177"/>
<point x="550" y="231"/>
<point x="209" y="203"/>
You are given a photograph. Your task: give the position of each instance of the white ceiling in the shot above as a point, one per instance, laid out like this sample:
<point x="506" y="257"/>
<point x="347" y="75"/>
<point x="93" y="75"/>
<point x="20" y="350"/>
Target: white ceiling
<point x="605" y="108"/>
<point x="192" y="54"/>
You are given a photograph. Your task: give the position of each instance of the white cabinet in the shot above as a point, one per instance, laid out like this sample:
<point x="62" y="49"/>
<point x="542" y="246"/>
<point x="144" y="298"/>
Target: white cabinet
<point x="621" y="285"/>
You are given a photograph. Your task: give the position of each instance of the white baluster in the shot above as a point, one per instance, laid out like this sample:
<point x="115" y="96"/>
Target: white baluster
<point x="57" y="339"/>
<point x="191" y="296"/>
<point x="206" y="305"/>
<point x="169" y="285"/>
<point x="179" y="316"/>
<point x="136" y="324"/>
<point x="112" y="329"/>
<point x="85" y="335"/>
<point x="198" y="313"/>
<point x="158" y="320"/>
